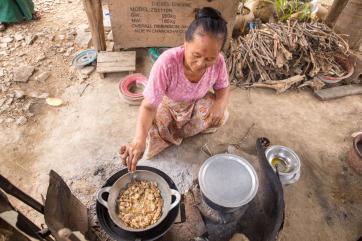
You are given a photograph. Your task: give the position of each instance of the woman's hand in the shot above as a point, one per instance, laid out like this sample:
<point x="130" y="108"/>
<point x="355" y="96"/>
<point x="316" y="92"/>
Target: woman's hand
<point x="131" y="154"/>
<point x="216" y="112"/>
<point x="215" y="115"/>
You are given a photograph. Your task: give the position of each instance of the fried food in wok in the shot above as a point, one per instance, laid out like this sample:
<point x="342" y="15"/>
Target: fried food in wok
<point x="140" y="205"/>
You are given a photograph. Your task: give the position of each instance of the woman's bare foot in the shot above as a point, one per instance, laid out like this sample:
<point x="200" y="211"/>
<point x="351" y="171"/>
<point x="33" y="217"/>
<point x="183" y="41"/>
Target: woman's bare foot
<point x="2" y="27"/>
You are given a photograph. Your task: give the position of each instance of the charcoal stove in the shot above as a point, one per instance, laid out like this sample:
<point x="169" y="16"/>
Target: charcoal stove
<point x="264" y="217"/>
<point x="225" y="187"/>
<point x="119" y="234"/>
<point x="227" y="184"/>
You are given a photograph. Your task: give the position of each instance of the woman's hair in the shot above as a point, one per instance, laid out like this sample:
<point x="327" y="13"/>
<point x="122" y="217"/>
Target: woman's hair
<point x="207" y="21"/>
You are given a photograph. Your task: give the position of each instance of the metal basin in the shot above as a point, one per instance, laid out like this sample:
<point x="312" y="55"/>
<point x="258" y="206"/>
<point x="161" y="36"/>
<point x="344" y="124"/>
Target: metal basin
<point x="288" y="163"/>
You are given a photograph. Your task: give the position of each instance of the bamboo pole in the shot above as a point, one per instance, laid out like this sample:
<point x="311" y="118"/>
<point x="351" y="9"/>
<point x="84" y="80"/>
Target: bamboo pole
<point x="94" y="12"/>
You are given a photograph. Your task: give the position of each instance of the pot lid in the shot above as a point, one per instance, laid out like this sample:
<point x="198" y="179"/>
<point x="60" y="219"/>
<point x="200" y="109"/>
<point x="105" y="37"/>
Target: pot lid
<point x="228" y="180"/>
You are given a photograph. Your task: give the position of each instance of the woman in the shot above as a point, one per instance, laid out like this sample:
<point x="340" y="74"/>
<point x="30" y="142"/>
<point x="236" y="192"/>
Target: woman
<point x="177" y="102"/>
<point x="12" y="11"/>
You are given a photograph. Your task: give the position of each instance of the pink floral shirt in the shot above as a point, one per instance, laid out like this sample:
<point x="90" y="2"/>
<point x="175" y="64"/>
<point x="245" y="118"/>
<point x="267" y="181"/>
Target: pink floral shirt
<point x="167" y="78"/>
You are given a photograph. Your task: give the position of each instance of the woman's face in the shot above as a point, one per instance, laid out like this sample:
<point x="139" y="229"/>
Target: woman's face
<point x="201" y="52"/>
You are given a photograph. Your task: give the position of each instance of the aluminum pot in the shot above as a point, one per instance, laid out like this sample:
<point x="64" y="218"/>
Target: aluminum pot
<point x="228" y="182"/>
<point x="122" y="183"/>
<point x="291" y="163"/>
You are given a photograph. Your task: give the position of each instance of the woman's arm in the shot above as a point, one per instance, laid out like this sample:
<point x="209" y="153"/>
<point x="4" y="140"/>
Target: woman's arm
<point x="217" y="110"/>
<point x="146" y="116"/>
<point x="131" y="153"/>
<point x="222" y="96"/>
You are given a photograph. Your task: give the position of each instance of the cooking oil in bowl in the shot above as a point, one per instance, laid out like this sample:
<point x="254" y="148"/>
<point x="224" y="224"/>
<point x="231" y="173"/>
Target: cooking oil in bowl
<point x="286" y="161"/>
<point x="282" y="164"/>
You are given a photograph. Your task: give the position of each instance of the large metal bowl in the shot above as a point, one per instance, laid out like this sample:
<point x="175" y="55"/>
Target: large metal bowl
<point x="122" y="183"/>
<point x="291" y="160"/>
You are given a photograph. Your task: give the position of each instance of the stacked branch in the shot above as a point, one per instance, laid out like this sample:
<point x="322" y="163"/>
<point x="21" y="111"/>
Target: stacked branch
<point x="292" y="53"/>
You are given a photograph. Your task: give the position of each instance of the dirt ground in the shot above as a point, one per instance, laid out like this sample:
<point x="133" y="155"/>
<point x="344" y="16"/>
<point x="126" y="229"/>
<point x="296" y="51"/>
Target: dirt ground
<point x="80" y="139"/>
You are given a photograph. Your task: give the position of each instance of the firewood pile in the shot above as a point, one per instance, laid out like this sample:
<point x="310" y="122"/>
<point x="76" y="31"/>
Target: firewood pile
<point x="282" y="55"/>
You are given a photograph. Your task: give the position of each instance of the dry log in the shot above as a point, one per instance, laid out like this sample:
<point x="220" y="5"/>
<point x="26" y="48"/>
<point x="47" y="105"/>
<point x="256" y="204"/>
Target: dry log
<point x="281" y="85"/>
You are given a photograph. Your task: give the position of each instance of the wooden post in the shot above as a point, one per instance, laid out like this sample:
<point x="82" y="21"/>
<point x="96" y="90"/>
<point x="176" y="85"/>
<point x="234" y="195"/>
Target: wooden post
<point x="94" y="12"/>
<point x="335" y="11"/>
<point x="349" y="22"/>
